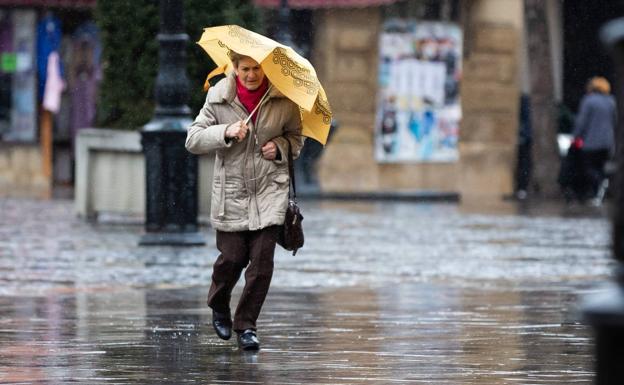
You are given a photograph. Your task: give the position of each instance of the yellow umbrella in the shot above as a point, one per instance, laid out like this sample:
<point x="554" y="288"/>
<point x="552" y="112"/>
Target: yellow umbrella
<point x="289" y="72"/>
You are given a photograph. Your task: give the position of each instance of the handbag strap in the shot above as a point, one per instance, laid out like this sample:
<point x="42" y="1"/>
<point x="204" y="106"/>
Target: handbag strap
<point x="291" y="171"/>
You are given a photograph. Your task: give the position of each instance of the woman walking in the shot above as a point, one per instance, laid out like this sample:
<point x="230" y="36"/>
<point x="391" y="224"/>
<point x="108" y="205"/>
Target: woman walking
<point x="594" y="133"/>
<point x="250" y="187"/>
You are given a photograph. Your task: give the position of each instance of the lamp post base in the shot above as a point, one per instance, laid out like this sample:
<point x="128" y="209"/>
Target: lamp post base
<point x="171" y="190"/>
<point x="172" y="239"/>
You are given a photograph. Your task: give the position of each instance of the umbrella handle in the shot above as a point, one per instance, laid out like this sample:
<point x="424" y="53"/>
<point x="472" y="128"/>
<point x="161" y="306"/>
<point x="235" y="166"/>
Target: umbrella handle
<point x="259" y="104"/>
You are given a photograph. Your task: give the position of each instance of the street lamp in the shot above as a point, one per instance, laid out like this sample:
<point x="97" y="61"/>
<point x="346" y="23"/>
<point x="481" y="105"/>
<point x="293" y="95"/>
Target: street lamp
<point x="606" y="312"/>
<point x="171" y="172"/>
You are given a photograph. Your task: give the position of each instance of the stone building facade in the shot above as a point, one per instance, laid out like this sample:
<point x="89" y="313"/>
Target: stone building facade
<point x="347" y="62"/>
<point x="22" y="172"/>
<point x="345" y="54"/>
<point x="490" y="98"/>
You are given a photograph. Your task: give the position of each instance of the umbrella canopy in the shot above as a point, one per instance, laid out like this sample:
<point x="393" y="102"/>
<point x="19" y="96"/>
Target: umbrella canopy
<point x="289" y="72"/>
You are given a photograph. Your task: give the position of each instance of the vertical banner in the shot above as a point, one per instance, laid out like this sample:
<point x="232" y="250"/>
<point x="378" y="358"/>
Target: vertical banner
<point x="418" y="107"/>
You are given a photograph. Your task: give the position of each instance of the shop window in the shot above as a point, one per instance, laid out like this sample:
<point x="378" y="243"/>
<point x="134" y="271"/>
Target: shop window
<point x="18" y="119"/>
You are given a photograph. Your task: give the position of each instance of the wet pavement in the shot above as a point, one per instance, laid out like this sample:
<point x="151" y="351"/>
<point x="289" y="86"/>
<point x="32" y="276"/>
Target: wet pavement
<point x="381" y="293"/>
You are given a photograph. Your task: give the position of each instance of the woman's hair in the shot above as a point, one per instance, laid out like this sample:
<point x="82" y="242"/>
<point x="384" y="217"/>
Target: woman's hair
<point x="235" y="57"/>
<point x="599" y="84"/>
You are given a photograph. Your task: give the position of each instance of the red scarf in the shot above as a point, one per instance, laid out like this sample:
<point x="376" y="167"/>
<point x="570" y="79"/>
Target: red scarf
<point x="251" y="98"/>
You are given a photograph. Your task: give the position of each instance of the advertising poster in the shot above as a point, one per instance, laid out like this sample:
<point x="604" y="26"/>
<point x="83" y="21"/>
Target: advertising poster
<point x="418" y="108"/>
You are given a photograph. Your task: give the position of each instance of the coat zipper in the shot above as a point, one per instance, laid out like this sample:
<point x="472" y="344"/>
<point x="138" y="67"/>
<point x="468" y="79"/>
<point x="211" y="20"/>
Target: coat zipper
<point x="257" y="148"/>
<point x="253" y="161"/>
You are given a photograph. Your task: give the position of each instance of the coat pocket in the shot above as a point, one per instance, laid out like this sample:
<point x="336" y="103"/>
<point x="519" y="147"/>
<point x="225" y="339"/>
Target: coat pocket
<point x="281" y="178"/>
<point x="229" y="199"/>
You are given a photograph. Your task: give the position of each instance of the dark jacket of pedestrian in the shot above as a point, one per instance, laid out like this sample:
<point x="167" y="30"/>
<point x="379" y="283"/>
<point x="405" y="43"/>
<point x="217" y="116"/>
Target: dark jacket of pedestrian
<point x="594" y="139"/>
<point x="596" y="119"/>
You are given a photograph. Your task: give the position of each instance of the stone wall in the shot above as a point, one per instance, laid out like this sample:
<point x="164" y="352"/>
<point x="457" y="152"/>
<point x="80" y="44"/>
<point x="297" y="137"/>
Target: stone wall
<point x="346" y="58"/>
<point x="21" y="173"/>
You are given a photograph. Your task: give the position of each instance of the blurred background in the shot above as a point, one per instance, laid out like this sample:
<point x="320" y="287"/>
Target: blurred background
<point x="475" y="109"/>
<point x="427" y="95"/>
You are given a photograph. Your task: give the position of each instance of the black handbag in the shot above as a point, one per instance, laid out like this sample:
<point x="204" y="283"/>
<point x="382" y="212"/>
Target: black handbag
<point x="291" y="234"/>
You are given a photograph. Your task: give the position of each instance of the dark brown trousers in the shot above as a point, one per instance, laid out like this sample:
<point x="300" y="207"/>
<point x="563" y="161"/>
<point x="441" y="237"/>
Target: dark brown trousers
<point x="251" y="249"/>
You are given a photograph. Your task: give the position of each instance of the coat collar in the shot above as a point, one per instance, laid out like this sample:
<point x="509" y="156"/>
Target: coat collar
<point x="225" y="90"/>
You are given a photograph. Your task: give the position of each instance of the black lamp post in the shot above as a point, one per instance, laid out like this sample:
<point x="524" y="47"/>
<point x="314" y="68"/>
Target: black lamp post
<point x="171" y="172"/>
<point x="605" y="313"/>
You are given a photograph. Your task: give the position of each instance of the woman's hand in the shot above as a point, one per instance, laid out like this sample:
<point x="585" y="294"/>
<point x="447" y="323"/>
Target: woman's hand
<point x="269" y="150"/>
<point x="237" y="131"/>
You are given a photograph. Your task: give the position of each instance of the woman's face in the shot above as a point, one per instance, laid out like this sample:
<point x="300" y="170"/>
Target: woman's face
<point x="249" y="73"/>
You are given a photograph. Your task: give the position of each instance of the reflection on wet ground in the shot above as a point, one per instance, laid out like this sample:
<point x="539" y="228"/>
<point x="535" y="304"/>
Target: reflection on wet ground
<point x="380" y="294"/>
<point x="414" y="333"/>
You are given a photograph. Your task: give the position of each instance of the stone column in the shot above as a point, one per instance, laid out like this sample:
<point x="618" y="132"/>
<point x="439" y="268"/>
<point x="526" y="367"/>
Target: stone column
<point x="490" y="97"/>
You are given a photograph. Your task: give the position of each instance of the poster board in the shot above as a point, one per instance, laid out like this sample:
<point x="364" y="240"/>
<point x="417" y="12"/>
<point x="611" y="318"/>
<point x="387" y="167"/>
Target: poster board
<point x="418" y="106"/>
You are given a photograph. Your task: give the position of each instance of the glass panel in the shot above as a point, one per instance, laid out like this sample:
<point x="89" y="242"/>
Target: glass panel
<point x="22" y="106"/>
<point x="7" y="68"/>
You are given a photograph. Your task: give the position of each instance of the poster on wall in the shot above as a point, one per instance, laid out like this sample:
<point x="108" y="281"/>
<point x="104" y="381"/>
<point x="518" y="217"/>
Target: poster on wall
<point x="418" y="107"/>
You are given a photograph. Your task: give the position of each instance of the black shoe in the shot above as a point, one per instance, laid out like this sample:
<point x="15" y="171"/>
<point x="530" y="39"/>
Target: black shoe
<point x="222" y="324"/>
<point x="248" y="340"/>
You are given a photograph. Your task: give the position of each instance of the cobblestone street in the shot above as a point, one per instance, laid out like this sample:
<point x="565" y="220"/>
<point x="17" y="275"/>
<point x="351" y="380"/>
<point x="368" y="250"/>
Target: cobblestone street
<point x="381" y="293"/>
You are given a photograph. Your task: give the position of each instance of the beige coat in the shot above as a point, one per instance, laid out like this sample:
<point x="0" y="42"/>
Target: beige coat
<point x="248" y="191"/>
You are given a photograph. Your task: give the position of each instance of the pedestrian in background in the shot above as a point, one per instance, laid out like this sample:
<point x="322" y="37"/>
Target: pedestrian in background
<point x="593" y="134"/>
<point x="250" y="187"/>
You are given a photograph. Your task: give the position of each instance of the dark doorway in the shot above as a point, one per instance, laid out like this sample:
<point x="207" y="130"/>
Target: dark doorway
<point x="583" y="53"/>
